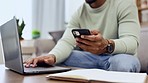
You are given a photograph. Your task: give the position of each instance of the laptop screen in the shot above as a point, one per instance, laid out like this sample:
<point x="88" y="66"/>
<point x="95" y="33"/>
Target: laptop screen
<point x="11" y="46"/>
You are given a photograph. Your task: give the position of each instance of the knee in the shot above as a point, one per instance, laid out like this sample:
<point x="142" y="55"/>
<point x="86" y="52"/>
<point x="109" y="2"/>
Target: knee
<point x="74" y="59"/>
<point x="74" y="56"/>
<point x="123" y="68"/>
<point x="124" y="63"/>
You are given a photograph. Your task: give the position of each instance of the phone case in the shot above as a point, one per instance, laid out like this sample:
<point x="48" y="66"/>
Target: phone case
<point x="79" y="32"/>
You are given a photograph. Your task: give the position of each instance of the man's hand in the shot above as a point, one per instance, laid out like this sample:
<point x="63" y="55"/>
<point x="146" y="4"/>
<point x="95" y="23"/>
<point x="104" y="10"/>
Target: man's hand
<point x="49" y="60"/>
<point x="93" y="43"/>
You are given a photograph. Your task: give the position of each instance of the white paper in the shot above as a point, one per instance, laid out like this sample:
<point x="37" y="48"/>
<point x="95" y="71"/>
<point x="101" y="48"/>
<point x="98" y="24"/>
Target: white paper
<point x="102" y="75"/>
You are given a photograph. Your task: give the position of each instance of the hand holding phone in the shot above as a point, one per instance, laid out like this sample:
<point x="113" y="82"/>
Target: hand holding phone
<point x="78" y="32"/>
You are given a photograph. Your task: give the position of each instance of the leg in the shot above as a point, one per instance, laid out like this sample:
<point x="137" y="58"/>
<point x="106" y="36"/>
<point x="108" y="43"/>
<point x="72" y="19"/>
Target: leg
<point x="124" y="63"/>
<point x="87" y="60"/>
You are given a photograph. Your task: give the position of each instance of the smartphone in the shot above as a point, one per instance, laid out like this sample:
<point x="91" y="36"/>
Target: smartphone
<point x="78" y="32"/>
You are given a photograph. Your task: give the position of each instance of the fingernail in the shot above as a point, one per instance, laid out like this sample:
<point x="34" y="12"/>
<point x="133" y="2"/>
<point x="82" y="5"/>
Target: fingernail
<point x="34" y="65"/>
<point x="26" y="65"/>
<point x="46" y="60"/>
<point x="82" y="36"/>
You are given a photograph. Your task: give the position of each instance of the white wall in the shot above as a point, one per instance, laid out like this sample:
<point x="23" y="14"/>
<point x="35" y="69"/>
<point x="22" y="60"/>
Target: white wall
<point x="22" y="9"/>
<point x="48" y="15"/>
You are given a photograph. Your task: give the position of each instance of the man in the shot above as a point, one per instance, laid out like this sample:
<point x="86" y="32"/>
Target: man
<point x="113" y="42"/>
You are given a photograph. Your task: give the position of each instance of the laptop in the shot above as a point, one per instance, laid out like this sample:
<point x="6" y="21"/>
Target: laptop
<point x="13" y="54"/>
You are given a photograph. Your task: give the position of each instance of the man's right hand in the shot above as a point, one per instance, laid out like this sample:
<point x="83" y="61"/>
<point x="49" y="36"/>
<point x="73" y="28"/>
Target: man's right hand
<point x="49" y="60"/>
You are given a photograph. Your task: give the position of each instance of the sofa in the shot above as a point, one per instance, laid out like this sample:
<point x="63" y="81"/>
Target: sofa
<point x="45" y="45"/>
<point x="143" y="49"/>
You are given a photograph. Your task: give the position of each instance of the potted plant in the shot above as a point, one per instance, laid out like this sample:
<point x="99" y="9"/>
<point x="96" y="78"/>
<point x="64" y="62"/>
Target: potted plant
<point x="35" y="34"/>
<point x="20" y="28"/>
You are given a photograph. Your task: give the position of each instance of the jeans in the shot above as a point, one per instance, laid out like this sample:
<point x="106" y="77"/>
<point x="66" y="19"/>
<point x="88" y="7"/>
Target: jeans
<point x="118" y="62"/>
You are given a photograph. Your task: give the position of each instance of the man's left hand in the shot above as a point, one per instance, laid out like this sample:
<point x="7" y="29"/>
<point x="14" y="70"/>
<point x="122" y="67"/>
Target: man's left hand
<point x="93" y="43"/>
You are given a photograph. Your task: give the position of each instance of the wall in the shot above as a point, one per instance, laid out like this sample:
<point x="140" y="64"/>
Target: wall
<point x="22" y="9"/>
<point x="48" y="15"/>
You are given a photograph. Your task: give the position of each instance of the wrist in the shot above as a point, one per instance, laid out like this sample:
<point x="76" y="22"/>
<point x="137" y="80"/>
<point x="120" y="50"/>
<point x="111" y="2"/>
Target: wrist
<point x="53" y="57"/>
<point x="110" y="46"/>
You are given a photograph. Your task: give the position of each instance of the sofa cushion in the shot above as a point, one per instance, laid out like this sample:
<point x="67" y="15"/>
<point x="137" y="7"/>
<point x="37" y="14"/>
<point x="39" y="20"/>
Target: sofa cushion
<point x="143" y="49"/>
<point x="56" y="35"/>
<point x="43" y="46"/>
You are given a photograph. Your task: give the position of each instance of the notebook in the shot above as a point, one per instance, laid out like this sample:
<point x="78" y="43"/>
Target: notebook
<point x="99" y="76"/>
<point x="13" y="54"/>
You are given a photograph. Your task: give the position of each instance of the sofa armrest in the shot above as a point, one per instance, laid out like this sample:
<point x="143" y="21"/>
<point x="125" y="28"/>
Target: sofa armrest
<point x="43" y="46"/>
<point x="143" y="49"/>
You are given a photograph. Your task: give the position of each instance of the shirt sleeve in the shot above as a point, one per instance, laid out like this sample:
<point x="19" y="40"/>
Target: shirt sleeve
<point x="128" y="29"/>
<point x="66" y="44"/>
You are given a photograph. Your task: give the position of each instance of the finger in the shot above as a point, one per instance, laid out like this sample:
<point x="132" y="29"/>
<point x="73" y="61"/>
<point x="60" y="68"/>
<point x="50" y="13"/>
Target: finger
<point x="83" y="46"/>
<point x="34" y="64"/>
<point x="94" y="32"/>
<point x="27" y="64"/>
<point x="87" y="48"/>
<point x="92" y="49"/>
<point x="94" y="38"/>
<point x="79" y="40"/>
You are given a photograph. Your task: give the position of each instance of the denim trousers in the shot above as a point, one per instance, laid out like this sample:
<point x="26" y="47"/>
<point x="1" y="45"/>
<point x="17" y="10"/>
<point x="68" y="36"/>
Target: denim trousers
<point x="118" y="62"/>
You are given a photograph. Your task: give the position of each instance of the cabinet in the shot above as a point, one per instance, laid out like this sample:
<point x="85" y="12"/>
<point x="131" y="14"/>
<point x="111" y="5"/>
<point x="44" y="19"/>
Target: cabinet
<point x="142" y="6"/>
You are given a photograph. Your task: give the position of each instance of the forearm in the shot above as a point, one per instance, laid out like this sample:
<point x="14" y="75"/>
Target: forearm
<point x="128" y="30"/>
<point x="126" y="45"/>
<point x="61" y="53"/>
<point x="64" y="46"/>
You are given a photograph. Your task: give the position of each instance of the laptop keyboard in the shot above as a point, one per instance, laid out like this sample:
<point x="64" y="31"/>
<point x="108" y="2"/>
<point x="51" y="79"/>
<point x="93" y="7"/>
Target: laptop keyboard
<point x="36" y="68"/>
<point x="44" y="69"/>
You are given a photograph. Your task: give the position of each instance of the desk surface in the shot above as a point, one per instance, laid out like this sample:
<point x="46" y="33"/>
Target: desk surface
<point x="8" y="76"/>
